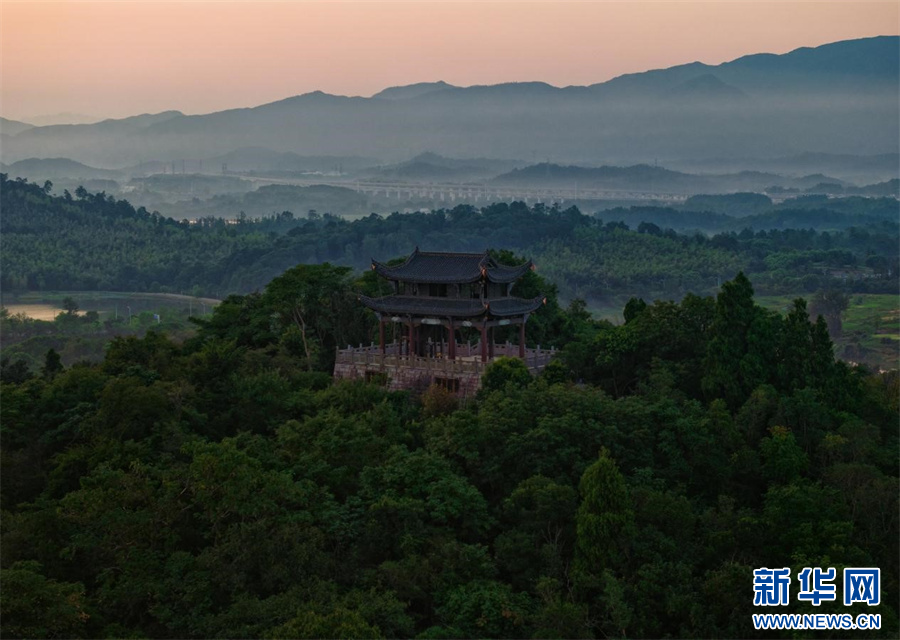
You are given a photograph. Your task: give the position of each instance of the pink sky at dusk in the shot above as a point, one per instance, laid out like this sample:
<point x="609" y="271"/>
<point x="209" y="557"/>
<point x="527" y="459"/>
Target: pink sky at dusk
<point x="116" y="59"/>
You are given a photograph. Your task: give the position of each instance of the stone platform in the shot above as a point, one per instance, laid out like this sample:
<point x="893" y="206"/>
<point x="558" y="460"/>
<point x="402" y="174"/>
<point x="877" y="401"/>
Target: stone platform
<point x="398" y="370"/>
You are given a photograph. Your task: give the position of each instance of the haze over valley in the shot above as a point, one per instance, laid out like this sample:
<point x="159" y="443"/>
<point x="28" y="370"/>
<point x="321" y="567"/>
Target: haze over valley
<point x="837" y="99"/>
<point x="820" y="120"/>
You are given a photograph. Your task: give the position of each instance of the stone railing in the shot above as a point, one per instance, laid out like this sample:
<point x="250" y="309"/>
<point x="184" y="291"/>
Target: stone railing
<point x="467" y="361"/>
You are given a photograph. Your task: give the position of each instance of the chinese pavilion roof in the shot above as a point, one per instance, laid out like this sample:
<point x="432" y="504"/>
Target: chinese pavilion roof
<point x="442" y="268"/>
<point x="451" y="307"/>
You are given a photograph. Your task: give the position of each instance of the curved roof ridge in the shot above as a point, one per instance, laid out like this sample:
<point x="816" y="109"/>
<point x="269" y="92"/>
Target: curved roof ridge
<point x="415" y="305"/>
<point x="516" y="306"/>
<point x="450" y="267"/>
<point x="505" y="273"/>
<point x="508" y="267"/>
<point x="402" y="264"/>
<point x="452" y="307"/>
<point x="462" y="254"/>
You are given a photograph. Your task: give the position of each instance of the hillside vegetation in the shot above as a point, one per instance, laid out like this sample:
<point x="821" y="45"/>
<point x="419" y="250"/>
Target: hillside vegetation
<point x="225" y="486"/>
<point x="95" y="242"/>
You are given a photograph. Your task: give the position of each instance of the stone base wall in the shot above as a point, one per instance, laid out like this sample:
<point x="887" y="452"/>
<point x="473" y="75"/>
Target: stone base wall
<point x="417" y="373"/>
<point x="412" y="378"/>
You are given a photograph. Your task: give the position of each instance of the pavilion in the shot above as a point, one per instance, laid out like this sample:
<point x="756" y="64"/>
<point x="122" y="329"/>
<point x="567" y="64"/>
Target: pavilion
<point x="435" y="298"/>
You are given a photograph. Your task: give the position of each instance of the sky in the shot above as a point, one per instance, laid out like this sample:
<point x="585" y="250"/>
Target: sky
<point x="115" y="59"/>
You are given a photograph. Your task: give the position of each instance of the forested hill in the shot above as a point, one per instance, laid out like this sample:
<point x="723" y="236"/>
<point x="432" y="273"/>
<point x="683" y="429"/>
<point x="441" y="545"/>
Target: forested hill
<point x="226" y="487"/>
<point x="87" y="241"/>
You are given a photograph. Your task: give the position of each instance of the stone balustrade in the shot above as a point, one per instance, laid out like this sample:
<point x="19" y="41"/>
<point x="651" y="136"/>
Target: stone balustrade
<point x="401" y="371"/>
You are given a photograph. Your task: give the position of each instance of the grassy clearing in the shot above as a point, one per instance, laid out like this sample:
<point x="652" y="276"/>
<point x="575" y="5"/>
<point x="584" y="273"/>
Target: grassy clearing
<point x="45" y="305"/>
<point x="36" y="310"/>
<point x="871" y="328"/>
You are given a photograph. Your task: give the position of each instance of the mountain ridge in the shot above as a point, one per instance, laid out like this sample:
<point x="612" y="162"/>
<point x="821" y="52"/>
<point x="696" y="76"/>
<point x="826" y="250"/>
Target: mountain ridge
<point x="762" y="105"/>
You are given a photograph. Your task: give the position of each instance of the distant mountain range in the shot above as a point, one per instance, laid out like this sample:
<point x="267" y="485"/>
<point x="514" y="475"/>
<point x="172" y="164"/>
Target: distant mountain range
<point x="837" y="99"/>
<point x="38" y="169"/>
<point x="248" y="160"/>
<point x="261" y="159"/>
<point x="194" y="195"/>
<point x="432" y="167"/>
<point x="12" y="127"/>
<point x="412" y="90"/>
<point x="867" y="167"/>
<point x="653" y="179"/>
<point x="61" y="118"/>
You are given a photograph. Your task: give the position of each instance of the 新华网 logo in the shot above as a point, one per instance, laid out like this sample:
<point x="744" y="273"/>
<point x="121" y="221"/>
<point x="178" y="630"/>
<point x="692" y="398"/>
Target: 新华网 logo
<point x="772" y="587"/>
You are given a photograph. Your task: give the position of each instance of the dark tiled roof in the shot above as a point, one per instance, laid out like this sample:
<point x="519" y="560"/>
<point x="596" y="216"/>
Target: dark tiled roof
<point x="414" y="305"/>
<point x="502" y="273"/>
<point x="435" y="267"/>
<point x="450" y="307"/>
<point x="514" y="306"/>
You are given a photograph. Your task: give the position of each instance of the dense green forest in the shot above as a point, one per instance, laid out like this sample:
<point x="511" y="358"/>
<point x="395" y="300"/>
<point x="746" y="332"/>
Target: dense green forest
<point x="224" y="486"/>
<point x="93" y="242"/>
<point x="81" y="336"/>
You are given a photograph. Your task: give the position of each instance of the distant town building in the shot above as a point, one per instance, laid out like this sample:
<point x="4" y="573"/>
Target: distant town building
<point x="437" y="300"/>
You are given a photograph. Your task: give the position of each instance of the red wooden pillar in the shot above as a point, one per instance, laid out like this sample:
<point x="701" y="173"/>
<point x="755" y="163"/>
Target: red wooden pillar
<point x="452" y="345"/>
<point x="381" y="335"/>
<point x="409" y="338"/>
<point x="522" y="339"/>
<point x="483" y="343"/>
<point x="413" y="339"/>
<point x="491" y="343"/>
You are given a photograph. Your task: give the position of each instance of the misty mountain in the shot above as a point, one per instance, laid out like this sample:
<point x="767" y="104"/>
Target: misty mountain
<point x="132" y="124"/>
<point x="635" y="178"/>
<point x="512" y="95"/>
<point x="838" y="99"/>
<point x="706" y="87"/>
<point x="747" y="180"/>
<point x="273" y="199"/>
<point x="890" y="188"/>
<point x="12" y="127"/>
<point x="148" y="168"/>
<point x="646" y="178"/>
<point x="860" y="64"/>
<point x="412" y="90"/>
<point x="867" y="64"/>
<point x="840" y="164"/>
<point x="40" y="169"/>
<point x="153" y="189"/>
<point x="109" y="144"/>
<point x="247" y="159"/>
<point x="732" y="204"/>
<point x="881" y="166"/>
<point x="807" y="182"/>
<point x="432" y="167"/>
<point x="62" y="118"/>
